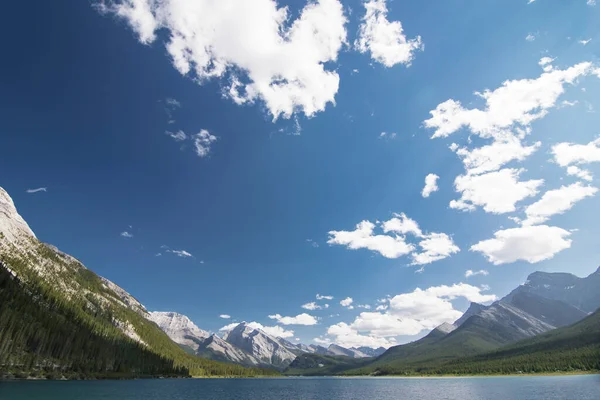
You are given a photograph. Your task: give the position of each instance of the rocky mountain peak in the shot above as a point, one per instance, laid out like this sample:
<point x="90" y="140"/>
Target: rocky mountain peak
<point x="12" y="226"/>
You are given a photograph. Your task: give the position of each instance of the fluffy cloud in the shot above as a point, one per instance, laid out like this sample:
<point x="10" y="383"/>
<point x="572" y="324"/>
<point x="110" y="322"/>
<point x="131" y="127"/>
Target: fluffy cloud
<point x="401" y="224"/>
<point x="469" y="273"/>
<point x="202" y="142"/>
<point x="225" y="316"/>
<point x="557" y="201"/>
<point x="497" y="192"/>
<point x="435" y="247"/>
<point x="387" y="135"/>
<point x="385" y="40"/>
<point x="300" y="319"/>
<point x="517" y="103"/>
<point x="362" y="238"/>
<point x="323" y="297"/>
<point x="41" y="189"/>
<point x="529" y="243"/>
<point x="430" y="185"/>
<point x="253" y="45"/>
<point x="347" y="302"/>
<point x="228" y="327"/>
<point x="314" y="306"/>
<point x="126" y="234"/>
<point x="492" y="157"/>
<point x="408" y="314"/>
<point x="571" y="155"/>
<point x="348" y="337"/>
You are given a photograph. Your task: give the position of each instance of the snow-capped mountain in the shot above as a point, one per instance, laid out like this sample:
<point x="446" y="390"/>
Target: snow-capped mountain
<point x="267" y="349"/>
<point x="180" y="328"/>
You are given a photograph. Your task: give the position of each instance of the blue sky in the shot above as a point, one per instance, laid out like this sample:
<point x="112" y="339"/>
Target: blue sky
<point x="267" y="187"/>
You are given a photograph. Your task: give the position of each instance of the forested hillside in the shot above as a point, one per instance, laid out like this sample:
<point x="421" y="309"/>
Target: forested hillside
<point x="58" y="318"/>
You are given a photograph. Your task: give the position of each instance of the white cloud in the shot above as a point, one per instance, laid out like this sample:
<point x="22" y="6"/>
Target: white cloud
<point x="178" y="136"/>
<point x="402" y="224"/>
<point x="517" y="103"/>
<point x="430" y="185"/>
<point x="566" y="154"/>
<point x="180" y="253"/>
<point x="364" y="306"/>
<point x="314" y="306"/>
<point x="546" y="63"/>
<point x="300" y="319"/>
<point x="346" y="336"/>
<point x="347" y="302"/>
<point x="497" y="192"/>
<point x="126" y="234"/>
<point x="41" y="189"/>
<point x="387" y="135"/>
<point x="362" y="238"/>
<point x="493" y="156"/>
<point x="225" y="316"/>
<point x="381" y="307"/>
<point x="469" y="273"/>
<point x="385" y="40"/>
<point x="202" y="142"/>
<point x="408" y="314"/>
<point x="557" y="201"/>
<point x="228" y="327"/>
<point x="323" y="297"/>
<point x="585" y="42"/>
<point x="251" y="44"/>
<point x="591" y="2"/>
<point x="435" y="246"/>
<point x="584" y="174"/>
<point x="276" y="331"/>
<point x="530" y="37"/>
<point x="529" y="243"/>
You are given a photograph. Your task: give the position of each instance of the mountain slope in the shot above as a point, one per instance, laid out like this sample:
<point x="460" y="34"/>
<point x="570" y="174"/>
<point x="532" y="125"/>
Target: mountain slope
<point x="265" y="348"/>
<point x="490" y="328"/>
<point x="108" y="329"/>
<point x="335" y="350"/>
<point x="179" y="328"/>
<point x="572" y="348"/>
<point x="581" y="293"/>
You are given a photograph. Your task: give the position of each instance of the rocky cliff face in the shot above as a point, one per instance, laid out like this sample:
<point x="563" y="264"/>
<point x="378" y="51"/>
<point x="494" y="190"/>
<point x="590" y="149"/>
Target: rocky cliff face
<point x="179" y="328"/>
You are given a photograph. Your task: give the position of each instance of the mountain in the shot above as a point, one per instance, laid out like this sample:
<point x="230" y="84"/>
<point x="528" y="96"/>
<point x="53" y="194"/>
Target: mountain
<point x="554" y="312"/>
<point x="179" y="328"/>
<point x="265" y="348"/>
<point x="218" y="349"/>
<point x="474" y="309"/>
<point x="572" y="348"/>
<point x="335" y="350"/>
<point x="369" y="351"/>
<point x="581" y="293"/>
<point x="59" y="318"/>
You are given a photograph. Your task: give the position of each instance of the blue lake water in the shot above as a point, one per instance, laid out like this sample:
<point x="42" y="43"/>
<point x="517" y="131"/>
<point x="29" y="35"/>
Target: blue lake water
<point x="493" y="388"/>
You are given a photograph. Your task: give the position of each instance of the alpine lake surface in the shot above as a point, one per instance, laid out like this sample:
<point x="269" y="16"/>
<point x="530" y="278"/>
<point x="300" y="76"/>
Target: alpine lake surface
<point x="570" y="387"/>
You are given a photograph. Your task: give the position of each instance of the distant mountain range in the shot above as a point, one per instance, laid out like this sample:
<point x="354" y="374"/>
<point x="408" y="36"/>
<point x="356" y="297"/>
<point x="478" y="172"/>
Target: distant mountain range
<point x="246" y="345"/>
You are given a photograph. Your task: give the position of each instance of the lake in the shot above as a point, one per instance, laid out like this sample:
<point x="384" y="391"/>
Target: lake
<point x="492" y="388"/>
